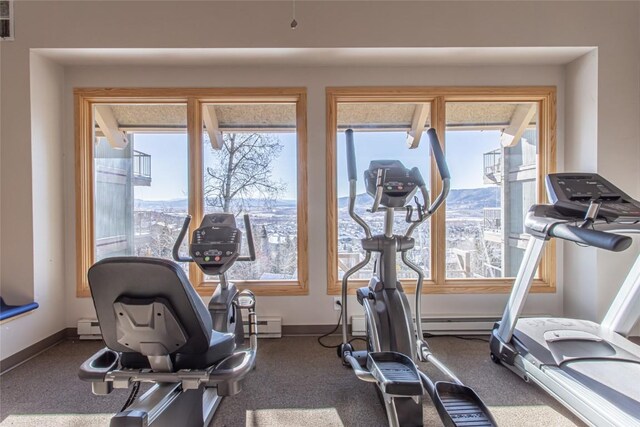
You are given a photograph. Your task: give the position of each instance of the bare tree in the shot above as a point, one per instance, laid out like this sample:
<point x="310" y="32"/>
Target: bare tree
<point x="242" y="170"/>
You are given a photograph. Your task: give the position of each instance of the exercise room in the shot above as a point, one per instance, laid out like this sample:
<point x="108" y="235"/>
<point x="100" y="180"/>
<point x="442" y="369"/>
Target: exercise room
<point x="319" y="213"/>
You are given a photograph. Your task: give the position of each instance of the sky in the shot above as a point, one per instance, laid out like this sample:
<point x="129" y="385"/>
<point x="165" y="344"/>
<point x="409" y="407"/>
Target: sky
<point x="169" y="167"/>
<point x="464" y="155"/>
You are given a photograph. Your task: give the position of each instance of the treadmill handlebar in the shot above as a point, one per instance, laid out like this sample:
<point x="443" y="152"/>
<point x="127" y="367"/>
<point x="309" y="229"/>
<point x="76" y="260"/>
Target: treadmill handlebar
<point x="599" y="239"/>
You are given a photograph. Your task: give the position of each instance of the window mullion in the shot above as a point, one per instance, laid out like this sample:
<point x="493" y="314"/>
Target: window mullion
<point x="302" y="191"/>
<point x="194" y="136"/>
<point x="438" y="232"/>
<point x="85" y="190"/>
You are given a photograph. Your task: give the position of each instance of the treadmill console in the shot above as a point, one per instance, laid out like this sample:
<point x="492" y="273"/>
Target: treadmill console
<point x="215" y="245"/>
<point x="572" y="193"/>
<point x="399" y="182"/>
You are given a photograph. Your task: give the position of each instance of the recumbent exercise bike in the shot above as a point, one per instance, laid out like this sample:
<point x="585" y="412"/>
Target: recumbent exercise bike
<point x="158" y="330"/>
<point x="394" y="343"/>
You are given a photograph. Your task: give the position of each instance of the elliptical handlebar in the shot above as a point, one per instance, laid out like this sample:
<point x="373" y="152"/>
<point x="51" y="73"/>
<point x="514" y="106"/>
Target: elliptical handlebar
<point x="423" y="189"/>
<point x="250" y="243"/>
<point x="438" y="155"/>
<point x="353" y="179"/>
<point x="443" y="170"/>
<point x="380" y="179"/>
<point x="351" y="156"/>
<point x="178" y="243"/>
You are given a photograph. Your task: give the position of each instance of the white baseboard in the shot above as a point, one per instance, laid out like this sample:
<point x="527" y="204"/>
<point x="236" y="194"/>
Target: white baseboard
<point x="472" y="325"/>
<point x="443" y="325"/>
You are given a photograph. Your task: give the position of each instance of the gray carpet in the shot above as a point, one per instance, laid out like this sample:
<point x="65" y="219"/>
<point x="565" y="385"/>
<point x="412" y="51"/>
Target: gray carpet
<point x="296" y="383"/>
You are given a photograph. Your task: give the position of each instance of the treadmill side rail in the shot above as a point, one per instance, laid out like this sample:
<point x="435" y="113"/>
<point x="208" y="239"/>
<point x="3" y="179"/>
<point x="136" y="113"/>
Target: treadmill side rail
<point x="582" y="401"/>
<point x="521" y="288"/>
<point x="625" y="309"/>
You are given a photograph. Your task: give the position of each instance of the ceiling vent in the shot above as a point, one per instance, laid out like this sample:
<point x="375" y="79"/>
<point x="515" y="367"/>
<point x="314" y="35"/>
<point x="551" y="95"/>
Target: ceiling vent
<point x="6" y="20"/>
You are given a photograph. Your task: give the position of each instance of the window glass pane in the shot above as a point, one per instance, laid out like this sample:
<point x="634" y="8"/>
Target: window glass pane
<point x="380" y="132"/>
<point x="492" y="152"/>
<point x="250" y="166"/>
<point x="140" y="179"/>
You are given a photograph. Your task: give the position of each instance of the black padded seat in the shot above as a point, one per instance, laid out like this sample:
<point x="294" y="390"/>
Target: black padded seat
<point x="221" y="346"/>
<point x="137" y="278"/>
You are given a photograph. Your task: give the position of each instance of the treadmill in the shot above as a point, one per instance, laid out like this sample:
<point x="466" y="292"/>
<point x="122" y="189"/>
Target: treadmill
<point x="591" y="368"/>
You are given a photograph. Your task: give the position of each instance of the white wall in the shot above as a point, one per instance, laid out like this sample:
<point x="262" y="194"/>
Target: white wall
<point x="317" y="307"/>
<point x="619" y="152"/>
<point x="581" y="154"/>
<point x="592" y="277"/>
<point x="48" y="286"/>
<point x="612" y="27"/>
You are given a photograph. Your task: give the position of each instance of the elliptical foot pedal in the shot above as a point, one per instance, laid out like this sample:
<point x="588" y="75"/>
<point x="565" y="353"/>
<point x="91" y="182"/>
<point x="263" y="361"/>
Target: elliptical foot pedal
<point x="460" y="406"/>
<point x="396" y="373"/>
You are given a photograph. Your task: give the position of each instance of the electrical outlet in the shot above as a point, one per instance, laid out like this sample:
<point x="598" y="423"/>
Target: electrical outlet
<point x="337" y="303"/>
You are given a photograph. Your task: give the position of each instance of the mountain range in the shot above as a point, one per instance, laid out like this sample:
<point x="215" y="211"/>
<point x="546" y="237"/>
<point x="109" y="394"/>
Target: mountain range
<point x="466" y="199"/>
<point x="471" y="199"/>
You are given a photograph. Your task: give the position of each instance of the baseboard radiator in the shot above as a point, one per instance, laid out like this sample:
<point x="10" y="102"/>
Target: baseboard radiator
<point x="89" y="329"/>
<point x="268" y="327"/>
<point x="472" y="325"/>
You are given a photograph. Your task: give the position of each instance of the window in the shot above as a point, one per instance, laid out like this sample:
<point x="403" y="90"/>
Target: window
<point x="138" y="210"/>
<point x="492" y="152"/>
<point x="248" y="166"/>
<point x="148" y="157"/>
<point x="499" y="144"/>
<point x="378" y="135"/>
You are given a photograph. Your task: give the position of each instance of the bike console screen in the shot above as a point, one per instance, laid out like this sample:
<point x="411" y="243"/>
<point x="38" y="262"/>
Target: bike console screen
<point x="216" y="243"/>
<point x="573" y="193"/>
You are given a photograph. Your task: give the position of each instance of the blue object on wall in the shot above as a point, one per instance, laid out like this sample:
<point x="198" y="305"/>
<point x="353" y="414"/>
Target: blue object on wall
<point x="8" y="311"/>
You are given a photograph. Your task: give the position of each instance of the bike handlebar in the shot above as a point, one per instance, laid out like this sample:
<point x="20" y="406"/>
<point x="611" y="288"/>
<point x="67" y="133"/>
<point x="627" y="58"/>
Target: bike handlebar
<point x="252" y="249"/>
<point x="178" y="243"/>
<point x="185" y="227"/>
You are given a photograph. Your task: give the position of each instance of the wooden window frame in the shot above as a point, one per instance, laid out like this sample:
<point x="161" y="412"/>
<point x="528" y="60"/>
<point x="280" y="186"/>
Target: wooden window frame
<point x="544" y="96"/>
<point x="193" y="98"/>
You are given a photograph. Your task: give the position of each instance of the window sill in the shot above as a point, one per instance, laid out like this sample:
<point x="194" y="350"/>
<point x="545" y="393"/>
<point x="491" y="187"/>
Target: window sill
<point x="258" y="287"/>
<point x="459" y="287"/>
<point x="265" y="288"/>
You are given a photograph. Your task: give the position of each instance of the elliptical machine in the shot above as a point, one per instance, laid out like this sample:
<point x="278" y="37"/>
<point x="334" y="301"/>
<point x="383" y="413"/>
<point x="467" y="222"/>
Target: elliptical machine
<point x="157" y="329"/>
<point x="394" y="344"/>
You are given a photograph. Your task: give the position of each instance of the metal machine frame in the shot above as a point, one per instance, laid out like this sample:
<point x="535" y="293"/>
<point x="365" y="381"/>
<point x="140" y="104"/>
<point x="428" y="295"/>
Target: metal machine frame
<point x="509" y="340"/>
<point x="186" y="397"/>
<point x="394" y="345"/>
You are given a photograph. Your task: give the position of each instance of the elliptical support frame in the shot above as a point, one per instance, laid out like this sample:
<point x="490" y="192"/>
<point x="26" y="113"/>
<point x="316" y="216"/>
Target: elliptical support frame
<point x="394" y="345"/>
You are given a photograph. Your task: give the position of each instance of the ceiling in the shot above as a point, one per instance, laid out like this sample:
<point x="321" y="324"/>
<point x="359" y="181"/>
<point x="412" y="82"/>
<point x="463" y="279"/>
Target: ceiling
<point x="395" y="57"/>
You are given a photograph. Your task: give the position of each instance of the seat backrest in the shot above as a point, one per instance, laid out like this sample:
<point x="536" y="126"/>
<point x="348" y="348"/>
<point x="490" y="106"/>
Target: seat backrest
<point x="138" y="289"/>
